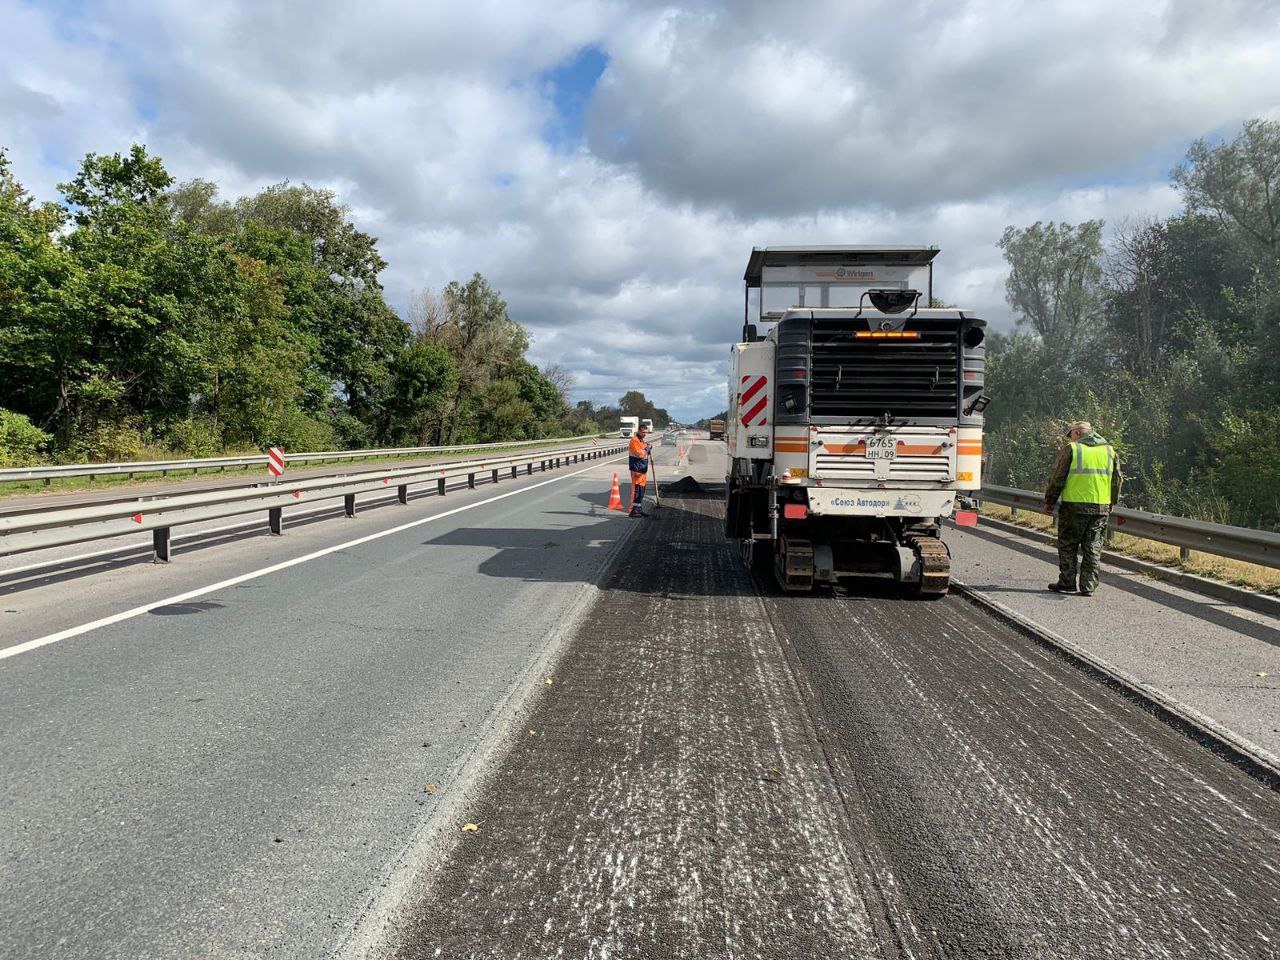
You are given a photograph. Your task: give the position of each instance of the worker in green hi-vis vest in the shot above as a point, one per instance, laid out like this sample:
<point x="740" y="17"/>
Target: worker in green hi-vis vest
<point x="1085" y="484"/>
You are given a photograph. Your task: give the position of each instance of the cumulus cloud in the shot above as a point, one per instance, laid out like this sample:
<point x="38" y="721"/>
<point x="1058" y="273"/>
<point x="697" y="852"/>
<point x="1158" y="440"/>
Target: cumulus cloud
<point x="840" y="104"/>
<point x="714" y="127"/>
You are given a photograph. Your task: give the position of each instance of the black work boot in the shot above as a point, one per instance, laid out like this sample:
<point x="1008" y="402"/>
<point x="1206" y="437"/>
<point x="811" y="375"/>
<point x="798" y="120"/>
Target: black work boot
<point x="1062" y="588"/>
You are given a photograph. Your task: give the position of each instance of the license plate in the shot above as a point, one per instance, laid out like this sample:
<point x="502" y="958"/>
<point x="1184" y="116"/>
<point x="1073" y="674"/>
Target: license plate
<point x="882" y="448"/>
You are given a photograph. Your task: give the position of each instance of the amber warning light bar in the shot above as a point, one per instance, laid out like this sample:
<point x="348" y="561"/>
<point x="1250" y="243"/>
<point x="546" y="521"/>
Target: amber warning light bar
<point x="887" y="335"/>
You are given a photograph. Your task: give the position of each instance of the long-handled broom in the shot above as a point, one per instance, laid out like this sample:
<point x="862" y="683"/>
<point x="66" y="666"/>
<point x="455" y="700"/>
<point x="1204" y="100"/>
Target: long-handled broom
<point x="657" y="497"/>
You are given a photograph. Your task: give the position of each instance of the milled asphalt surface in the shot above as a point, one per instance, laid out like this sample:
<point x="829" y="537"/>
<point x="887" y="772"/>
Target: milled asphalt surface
<point x="235" y="776"/>
<point x="717" y="774"/>
<point x="667" y="797"/>
<point x="1221" y="660"/>
<point x="1028" y="811"/>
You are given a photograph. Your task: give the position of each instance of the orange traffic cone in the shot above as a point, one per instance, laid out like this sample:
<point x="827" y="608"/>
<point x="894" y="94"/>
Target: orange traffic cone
<point x="615" y="495"/>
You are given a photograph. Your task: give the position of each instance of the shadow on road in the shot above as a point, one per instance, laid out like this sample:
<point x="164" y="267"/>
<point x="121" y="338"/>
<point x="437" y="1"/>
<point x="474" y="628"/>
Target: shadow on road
<point x="679" y="538"/>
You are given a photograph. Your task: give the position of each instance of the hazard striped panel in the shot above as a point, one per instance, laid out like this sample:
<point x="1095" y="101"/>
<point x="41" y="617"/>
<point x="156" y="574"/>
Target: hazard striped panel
<point x="275" y="461"/>
<point x="753" y="400"/>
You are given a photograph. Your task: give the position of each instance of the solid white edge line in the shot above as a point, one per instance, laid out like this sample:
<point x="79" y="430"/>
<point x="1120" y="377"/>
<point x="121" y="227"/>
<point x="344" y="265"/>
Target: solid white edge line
<point x="274" y="568"/>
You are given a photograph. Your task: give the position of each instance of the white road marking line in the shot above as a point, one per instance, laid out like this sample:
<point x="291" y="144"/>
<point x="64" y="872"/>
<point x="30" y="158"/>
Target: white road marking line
<point x="274" y="568"/>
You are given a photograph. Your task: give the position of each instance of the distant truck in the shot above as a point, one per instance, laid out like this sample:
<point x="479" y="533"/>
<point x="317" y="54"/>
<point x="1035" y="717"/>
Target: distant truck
<point x="629" y="426"/>
<point x="647" y="424"/>
<point x="716" y="428"/>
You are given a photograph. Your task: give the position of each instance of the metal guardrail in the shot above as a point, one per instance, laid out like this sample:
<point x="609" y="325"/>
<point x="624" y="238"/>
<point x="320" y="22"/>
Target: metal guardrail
<point x="61" y="471"/>
<point x="1238" y="543"/>
<point x="21" y="532"/>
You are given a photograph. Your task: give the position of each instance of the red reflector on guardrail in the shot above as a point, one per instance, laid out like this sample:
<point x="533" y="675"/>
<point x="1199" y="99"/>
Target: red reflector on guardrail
<point x="966" y="518"/>
<point x="795" y="511"/>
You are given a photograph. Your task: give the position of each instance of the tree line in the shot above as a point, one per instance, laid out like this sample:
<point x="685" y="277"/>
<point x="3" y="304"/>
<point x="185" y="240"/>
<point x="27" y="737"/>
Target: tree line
<point x="1166" y="337"/>
<point x="140" y="316"/>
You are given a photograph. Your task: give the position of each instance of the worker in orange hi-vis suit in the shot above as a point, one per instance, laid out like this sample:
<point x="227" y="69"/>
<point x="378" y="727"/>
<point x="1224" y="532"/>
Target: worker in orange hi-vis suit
<point x="638" y="464"/>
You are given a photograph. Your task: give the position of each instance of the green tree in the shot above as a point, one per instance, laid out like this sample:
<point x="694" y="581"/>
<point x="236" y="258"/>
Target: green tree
<point x="1238" y="183"/>
<point x="471" y="322"/>
<point x="422" y="381"/>
<point x="41" y="345"/>
<point x="1054" y="280"/>
<point x="354" y="332"/>
<point x="501" y="413"/>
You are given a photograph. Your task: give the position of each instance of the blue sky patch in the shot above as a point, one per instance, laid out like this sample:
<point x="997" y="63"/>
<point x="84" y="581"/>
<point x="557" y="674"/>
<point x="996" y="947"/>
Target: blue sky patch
<point x="569" y="85"/>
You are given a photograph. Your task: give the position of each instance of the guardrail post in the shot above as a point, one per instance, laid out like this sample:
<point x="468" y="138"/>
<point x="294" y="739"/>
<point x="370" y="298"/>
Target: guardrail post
<point x="528" y="472"/>
<point x="542" y="465"/>
<point x="515" y="472"/>
<point x="471" y="481"/>
<point x="495" y="474"/>
<point x="402" y="493"/>
<point x="349" y="504"/>
<point x="160" y="544"/>
<point x="440" y="486"/>
<point x="275" y="521"/>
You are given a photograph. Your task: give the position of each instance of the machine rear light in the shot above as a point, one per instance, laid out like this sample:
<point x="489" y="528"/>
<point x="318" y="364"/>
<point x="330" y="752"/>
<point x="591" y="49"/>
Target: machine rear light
<point x="887" y="335"/>
<point x="795" y="511"/>
<point x="966" y="518"/>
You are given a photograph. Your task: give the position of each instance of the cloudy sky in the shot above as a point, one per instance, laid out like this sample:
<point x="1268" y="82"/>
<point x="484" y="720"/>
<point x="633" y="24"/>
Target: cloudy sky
<point x="608" y="165"/>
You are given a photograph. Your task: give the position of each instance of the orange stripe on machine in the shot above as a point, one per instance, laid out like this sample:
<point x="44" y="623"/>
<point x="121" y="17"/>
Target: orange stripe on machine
<point x="904" y="449"/>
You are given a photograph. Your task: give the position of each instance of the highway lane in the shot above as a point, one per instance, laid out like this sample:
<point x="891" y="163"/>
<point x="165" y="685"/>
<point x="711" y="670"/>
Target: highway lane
<point x="50" y="590"/>
<point x="237" y="775"/>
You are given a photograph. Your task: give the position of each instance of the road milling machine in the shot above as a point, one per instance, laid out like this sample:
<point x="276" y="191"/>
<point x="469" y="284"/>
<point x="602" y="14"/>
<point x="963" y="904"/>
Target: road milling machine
<point x="855" y="421"/>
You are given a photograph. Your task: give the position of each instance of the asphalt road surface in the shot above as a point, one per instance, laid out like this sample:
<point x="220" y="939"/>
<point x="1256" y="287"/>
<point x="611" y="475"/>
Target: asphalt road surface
<point x="269" y="748"/>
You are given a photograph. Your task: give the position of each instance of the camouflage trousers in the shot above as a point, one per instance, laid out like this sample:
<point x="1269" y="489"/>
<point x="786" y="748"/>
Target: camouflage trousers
<point x="1082" y="530"/>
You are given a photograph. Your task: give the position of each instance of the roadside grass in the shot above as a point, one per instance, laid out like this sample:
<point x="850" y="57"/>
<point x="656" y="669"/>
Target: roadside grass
<point x="1251" y="576"/>
<point x="145" y="479"/>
